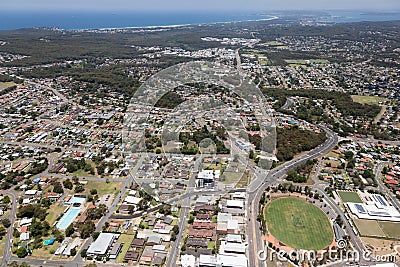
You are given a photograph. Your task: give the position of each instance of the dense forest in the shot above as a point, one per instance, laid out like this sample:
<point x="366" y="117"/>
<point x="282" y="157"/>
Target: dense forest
<point x="342" y="101"/>
<point x="292" y="141"/>
<point x="170" y="100"/>
<point x="44" y="46"/>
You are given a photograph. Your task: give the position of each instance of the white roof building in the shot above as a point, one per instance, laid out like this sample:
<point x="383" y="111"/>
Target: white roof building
<point x="132" y="200"/>
<point x="235" y="203"/>
<point x="232" y="248"/>
<point x="102" y="244"/>
<point x="206" y="174"/>
<point x="30" y="192"/>
<point x="132" y="192"/>
<point x="24" y="236"/>
<point x="233" y="226"/>
<point x="239" y="195"/>
<point x="25" y="221"/>
<point x="223" y="260"/>
<point x="375" y="209"/>
<point x="224" y="217"/>
<point x="188" y="261"/>
<point x="232" y="238"/>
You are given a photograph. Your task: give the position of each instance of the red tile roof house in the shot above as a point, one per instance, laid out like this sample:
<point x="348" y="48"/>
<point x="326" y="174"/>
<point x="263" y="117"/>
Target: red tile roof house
<point x="209" y="208"/>
<point x="204" y="225"/>
<point x="209" y="234"/>
<point x="52" y="195"/>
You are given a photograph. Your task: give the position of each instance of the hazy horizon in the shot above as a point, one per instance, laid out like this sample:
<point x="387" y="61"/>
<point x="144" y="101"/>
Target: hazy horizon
<point x="205" y="5"/>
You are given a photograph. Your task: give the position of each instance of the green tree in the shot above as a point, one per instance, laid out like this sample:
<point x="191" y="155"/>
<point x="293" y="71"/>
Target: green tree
<point x="68" y="184"/>
<point x="73" y="251"/>
<point x="6" y="222"/>
<point x="84" y="253"/>
<point x="70" y="230"/>
<point x="21" y="252"/>
<point x="58" y="188"/>
<point x="93" y="191"/>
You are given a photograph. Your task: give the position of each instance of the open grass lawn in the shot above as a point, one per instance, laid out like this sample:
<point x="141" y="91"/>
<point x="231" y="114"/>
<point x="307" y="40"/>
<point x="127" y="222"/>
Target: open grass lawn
<point x="391" y="229"/>
<point x="350" y="197"/>
<point x="82" y="173"/>
<point x="231" y="177"/>
<point x="368" y="227"/>
<point x="298" y="224"/>
<point x="53" y="213"/>
<point x="44" y="252"/>
<point x="211" y="245"/>
<point x="4" y="85"/>
<point x="1" y="249"/>
<point x="103" y="188"/>
<point x="212" y="166"/>
<point x="244" y="181"/>
<point x="368" y="99"/>
<point x="126" y="240"/>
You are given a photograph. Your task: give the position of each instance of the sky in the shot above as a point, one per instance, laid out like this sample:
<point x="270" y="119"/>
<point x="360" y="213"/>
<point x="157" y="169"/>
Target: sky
<point x="194" y="5"/>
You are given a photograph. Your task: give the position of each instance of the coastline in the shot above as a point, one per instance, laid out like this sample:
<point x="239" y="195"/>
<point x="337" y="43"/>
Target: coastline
<point x="92" y="22"/>
<point x="153" y="27"/>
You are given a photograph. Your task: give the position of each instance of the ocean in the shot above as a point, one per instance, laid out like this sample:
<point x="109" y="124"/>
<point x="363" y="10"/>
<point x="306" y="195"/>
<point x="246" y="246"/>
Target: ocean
<point x="97" y="20"/>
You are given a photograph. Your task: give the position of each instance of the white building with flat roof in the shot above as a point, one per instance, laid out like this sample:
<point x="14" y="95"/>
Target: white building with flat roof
<point x="188" y="261"/>
<point x="102" y="244"/>
<point x="223" y="260"/>
<point x="376" y="208"/>
<point x="233" y="203"/>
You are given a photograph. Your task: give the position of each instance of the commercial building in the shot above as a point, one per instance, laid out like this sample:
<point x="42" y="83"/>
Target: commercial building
<point x="102" y="245"/>
<point x="376" y="208"/>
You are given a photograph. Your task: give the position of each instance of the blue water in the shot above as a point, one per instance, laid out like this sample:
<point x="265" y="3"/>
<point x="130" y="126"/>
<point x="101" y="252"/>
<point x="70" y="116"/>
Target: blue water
<point x="79" y="200"/>
<point x="357" y="16"/>
<point x="68" y="218"/>
<point x="97" y="20"/>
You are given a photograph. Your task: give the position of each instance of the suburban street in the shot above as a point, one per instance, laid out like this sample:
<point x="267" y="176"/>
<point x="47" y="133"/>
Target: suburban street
<point x="382" y="187"/>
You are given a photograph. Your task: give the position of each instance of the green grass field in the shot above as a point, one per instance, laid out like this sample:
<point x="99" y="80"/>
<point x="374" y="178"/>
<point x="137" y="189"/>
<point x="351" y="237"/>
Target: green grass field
<point x="104" y="188"/>
<point x="126" y="240"/>
<point x="298" y="224"/>
<point x="350" y="197"/>
<point x="368" y="99"/>
<point x="368" y="227"/>
<point x="4" y="85"/>
<point x="378" y="228"/>
<point x="53" y="213"/>
<point x="391" y="229"/>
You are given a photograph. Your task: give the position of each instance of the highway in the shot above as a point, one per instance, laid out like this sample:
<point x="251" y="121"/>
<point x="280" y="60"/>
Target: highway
<point x="10" y="230"/>
<point x="263" y="180"/>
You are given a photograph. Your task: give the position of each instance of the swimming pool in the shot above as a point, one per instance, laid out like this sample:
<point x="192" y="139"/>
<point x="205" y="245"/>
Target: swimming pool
<point x="79" y="200"/>
<point x="68" y="217"/>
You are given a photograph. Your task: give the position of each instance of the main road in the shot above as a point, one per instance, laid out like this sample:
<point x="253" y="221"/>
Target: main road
<point x="263" y="180"/>
<point x="10" y="230"/>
